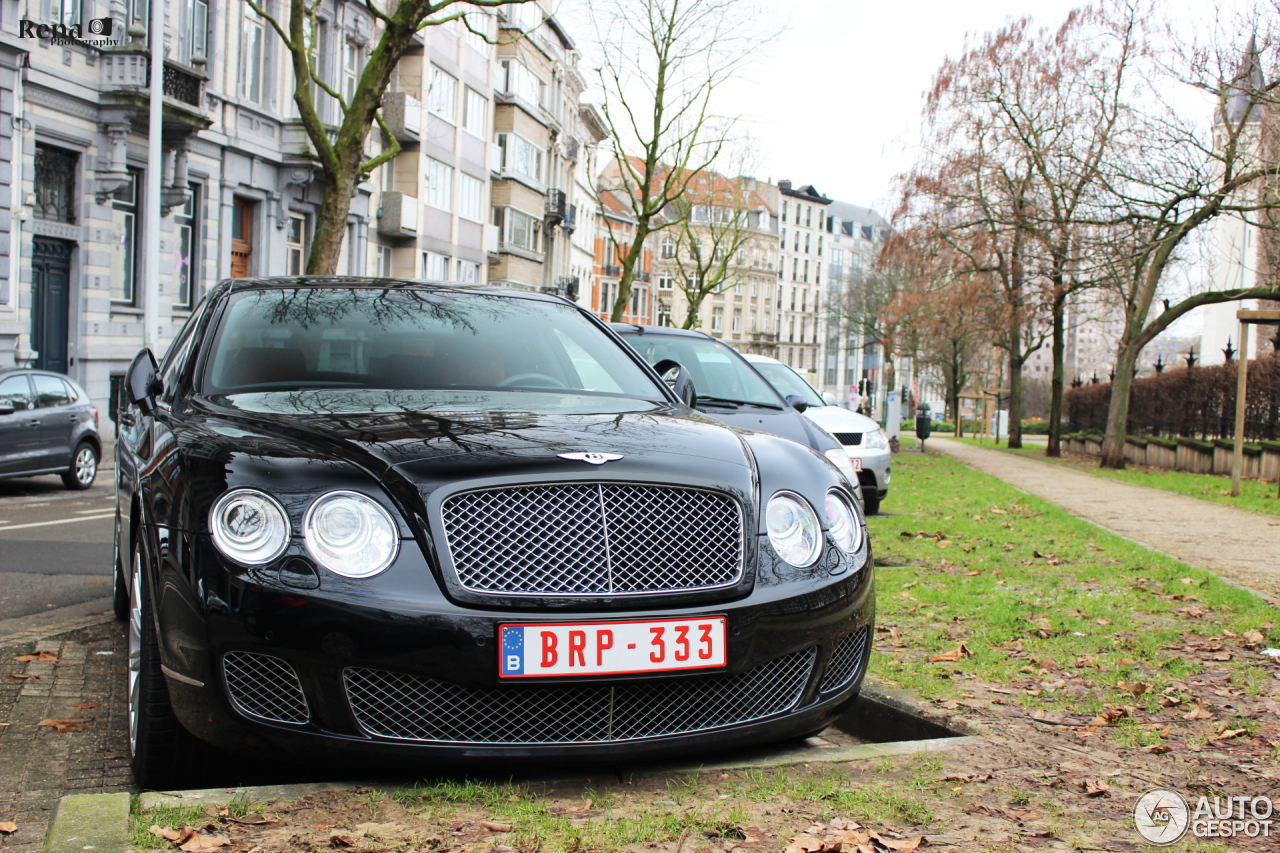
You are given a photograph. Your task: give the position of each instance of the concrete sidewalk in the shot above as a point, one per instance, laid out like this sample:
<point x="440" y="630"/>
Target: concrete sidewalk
<point x="1241" y="546"/>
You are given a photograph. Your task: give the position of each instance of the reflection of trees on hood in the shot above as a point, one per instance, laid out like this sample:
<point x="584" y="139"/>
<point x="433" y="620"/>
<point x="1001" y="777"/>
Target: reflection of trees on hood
<point x="382" y="308"/>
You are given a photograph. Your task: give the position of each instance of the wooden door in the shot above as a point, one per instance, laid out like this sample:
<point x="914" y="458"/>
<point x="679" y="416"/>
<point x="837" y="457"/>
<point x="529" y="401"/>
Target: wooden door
<point x="241" y="237"/>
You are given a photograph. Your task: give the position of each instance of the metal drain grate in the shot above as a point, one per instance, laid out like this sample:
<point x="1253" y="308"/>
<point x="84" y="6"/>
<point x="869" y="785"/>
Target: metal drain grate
<point x="408" y="707"/>
<point x="266" y="687"/>
<point x="849" y="658"/>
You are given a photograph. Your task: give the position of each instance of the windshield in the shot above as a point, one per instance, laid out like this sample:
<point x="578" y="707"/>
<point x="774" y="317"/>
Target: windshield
<point x="415" y="340"/>
<point x="788" y="382"/>
<point x="718" y="371"/>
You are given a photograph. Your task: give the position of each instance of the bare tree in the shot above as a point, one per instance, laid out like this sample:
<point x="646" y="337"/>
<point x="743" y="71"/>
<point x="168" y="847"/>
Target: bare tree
<point x="342" y="151"/>
<point x="1177" y="178"/>
<point x="661" y="63"/>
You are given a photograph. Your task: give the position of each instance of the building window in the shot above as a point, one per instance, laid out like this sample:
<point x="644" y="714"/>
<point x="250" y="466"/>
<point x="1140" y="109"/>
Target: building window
<point x="251" y="58"/>
<point x="471" y="201"/>
<point x="439" y="185"/>
<point x="384" y="262"/>
<point x="193" y="33"/>
<point x="668" y="247"/>
<point x="517" y="228"/>
<point x="717" y="319"/>
<point x="806" y="272"/>
<point x="808" y="216"/>
<point x="518" y="80"/>
<point x="737" y="320"/>
<point x="751" y="321"/>
<point x="475" y="110"/>
<point x="435" y="267"/>
<point x="605" y="303"/>
<point x="124" y="241"/>
<point x="55" y="184"/>
<point x="519" y="155"/>
<point x="442" y="98"/>
<point x="66" y="12"/>
<point x="187" y="223"/>
<point x="664" y="315"/>
<point x="468" y="272"/>
<point x="351" y="68"/>
<point x="478" y="32"/>
<point x="296" y="245"/>
<point x="664" y="282"/>
<point x="784" y="211"/>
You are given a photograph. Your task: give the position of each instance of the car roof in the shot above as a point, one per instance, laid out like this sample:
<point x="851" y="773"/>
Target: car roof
<point x="638" y="329"/>
<point x="346" y="281"/>
<point x="762" y="359"/>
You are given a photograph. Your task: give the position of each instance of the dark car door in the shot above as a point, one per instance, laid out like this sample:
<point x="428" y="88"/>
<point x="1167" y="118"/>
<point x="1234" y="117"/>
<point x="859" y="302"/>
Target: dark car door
<point x="57" y="420"/>
<point x="19" y="429"/>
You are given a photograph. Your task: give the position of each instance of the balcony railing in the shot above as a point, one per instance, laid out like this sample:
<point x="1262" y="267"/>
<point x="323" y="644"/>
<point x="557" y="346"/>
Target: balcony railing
<point x="613" y="272"/>
<point x="182" y="84"/>
<point x="130" y="70"/>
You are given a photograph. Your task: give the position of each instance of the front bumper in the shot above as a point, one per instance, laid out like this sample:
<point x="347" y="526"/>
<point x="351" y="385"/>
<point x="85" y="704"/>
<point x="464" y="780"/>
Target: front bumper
<point x="874" y="476"/>
<point x="256" y="662"/>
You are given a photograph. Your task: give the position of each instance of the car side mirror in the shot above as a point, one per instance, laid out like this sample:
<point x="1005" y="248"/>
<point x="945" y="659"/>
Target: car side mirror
<point x="829" y="398"/>
<point x="679" y="380"/>
<point x="797" y="402"/>
<point x="6" y="409"/>
<point x="142" y="382"/>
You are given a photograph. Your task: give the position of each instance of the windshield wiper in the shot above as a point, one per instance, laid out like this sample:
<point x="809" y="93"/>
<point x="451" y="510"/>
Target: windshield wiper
<point x="724" y="401"/>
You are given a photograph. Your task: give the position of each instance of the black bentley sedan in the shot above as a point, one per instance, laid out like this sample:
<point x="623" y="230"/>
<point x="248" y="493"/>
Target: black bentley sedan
<point x="380" y="517"/>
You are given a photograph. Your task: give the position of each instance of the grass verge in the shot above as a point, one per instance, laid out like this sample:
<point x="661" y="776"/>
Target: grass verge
<point x="1255" y="495"/>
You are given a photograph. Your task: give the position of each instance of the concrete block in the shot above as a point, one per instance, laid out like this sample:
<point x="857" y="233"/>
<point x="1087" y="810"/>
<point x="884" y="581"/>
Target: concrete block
<point x="97" y="822"/>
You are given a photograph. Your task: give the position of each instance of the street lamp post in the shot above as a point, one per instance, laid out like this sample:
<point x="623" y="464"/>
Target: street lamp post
<point x="155" y="151"/>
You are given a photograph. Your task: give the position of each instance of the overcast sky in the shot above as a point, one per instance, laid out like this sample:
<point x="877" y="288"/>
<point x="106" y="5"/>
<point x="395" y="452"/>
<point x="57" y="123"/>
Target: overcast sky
<point x="835" y="100"/>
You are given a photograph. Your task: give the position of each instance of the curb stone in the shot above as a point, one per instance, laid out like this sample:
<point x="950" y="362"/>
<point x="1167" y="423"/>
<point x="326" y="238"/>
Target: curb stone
<point x="97" y="822"/>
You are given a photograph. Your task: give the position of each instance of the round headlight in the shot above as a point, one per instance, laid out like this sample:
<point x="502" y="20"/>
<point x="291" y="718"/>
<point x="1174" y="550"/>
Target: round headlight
<point x="249" y="527"/>
<point x="842" y="522"/>
<point x="350" y="535"/>
<point x="793" y="529"/>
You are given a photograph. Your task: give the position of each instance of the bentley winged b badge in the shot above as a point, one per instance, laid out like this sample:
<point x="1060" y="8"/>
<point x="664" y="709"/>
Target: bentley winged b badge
<point x="591" y="458"/>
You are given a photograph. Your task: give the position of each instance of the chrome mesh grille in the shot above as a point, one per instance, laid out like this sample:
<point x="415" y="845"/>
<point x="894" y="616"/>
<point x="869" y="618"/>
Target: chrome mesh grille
<point x="593" y="539"/>
<point x="407" y="707"/>
<point x="849" y="657"/>
<point x="265" y="686"/>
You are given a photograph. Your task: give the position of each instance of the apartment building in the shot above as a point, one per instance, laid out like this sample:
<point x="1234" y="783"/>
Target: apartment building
<point x="615" y="232"/>
<point x="241" y="185"/>
<point x="855" y="235"/>
<point x="802" y="235"/>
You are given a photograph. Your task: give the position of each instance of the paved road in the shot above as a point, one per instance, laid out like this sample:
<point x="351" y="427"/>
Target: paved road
<point x="1236" y="544"/>
<point x="55" y="551"/>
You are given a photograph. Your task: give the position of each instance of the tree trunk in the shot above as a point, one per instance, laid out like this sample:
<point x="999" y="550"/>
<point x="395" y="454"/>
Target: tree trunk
<point x="691" y="316"/>
<point x="629" y="262"/>
<point x="1015" y="396"/>
<point x="1056" y="386"/>
<point x="331" y="221"/>
<point x="1118" y="409"/>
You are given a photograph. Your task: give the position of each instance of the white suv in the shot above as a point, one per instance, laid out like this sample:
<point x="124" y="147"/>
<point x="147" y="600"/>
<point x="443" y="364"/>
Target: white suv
<point x="861" y="437"/>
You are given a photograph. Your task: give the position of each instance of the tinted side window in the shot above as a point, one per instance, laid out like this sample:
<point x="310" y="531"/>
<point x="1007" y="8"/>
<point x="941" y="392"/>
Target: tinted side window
<point x="72" y="393"/>
<point x="50" y="391"/>
<point x="176" y="358"/>
<point x="15" y="392"/>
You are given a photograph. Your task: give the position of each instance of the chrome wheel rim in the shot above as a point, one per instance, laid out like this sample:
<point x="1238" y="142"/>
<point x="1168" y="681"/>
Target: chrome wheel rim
<point x="86" y="466"/>
<point x="135" y="650"/>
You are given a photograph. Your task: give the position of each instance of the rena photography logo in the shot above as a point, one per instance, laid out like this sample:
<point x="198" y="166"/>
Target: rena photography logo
<point x="1164" y="817"/>
<point x="97" y="32"/>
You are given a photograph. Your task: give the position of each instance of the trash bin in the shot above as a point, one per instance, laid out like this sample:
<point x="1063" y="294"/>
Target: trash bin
<point x="924" y="423"/>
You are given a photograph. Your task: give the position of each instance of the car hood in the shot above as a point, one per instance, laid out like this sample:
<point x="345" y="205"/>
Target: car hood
<point x="383" y="430"/>
<point x="838" y="419"/>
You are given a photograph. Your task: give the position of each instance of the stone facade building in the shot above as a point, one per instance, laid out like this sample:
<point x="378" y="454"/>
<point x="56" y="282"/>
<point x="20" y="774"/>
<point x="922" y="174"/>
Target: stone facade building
<point x="241" y="187"/>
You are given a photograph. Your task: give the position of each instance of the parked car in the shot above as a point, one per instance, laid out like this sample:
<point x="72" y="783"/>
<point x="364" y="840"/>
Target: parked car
<point x="732" y="390"/>
<point x="861" y="437"/>
<point x="47" y="426"/>
<point x="373" y="517"/>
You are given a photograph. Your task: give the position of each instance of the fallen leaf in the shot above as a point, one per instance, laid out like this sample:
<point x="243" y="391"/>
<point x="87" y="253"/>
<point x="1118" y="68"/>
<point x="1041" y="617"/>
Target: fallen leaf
<point x="895" y="844"/>
<point x="493" y="826"/>
<point x="341" y="840"/>
<point x="1138" y="688"/>
<point x="41" y="656"/>
<point x="1093" y="787"/>
<point x="1198" y="712"/>
<point x="1228" y="734"/>
<point x="86" y="706"/>
<point x="1252" y="638"/>
<point x="8" y="827"/>
<point x="1158" y="749"/>
<point x="1222" y="656"/>
<point x="201" y="842"/>
<point x="805" y="844"/>
<point x="64" y="726"/>
<point x="22" y="676"/>
<point x="958" y="653"/>
<point x="967" y="777"/>
<point x="972" y="574"/>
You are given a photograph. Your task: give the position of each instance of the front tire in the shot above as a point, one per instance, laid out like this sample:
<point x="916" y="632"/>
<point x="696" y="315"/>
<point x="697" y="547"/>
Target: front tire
<point x="84" y="468"/>
<point x="163" y="754"/>
<point x="871" y="504"/>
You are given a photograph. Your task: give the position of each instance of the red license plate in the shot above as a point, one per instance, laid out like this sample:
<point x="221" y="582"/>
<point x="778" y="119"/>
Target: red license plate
<point x="557" y="649"/>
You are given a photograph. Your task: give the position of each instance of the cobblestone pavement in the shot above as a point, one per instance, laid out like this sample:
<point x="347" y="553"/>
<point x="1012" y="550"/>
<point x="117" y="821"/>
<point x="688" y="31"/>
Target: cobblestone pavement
<point x="82" y="679"/>
<point x="1235" y="544"/>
